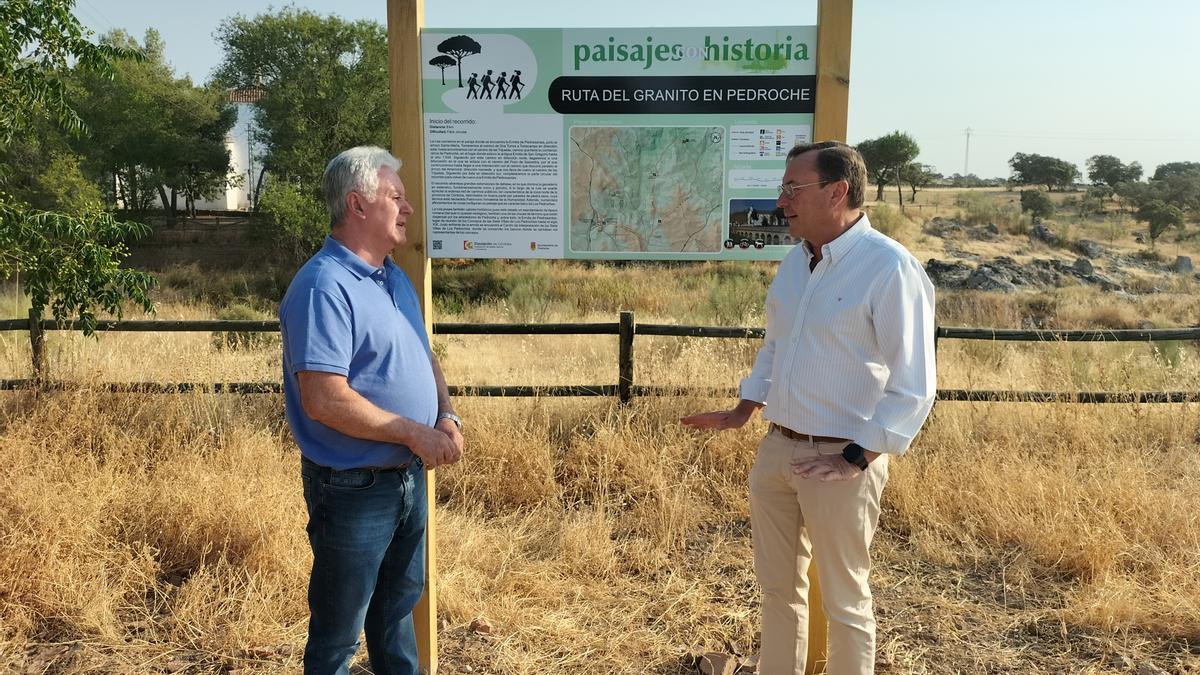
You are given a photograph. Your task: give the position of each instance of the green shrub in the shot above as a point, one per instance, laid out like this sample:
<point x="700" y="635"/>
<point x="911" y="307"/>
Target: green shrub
<point x="296" y="222"/>
<point x="65" y="187"/>
<point x="890" y="221"/>
<point x="1036" y="203"/>
<point x="980" y="208"/>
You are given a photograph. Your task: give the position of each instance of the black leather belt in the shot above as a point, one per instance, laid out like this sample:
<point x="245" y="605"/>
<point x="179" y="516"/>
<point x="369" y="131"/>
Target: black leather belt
<point x="398" y="468"/>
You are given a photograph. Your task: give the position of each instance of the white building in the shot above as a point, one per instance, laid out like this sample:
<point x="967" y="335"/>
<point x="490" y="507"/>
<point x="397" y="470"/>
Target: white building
<point x="243" y="166"/>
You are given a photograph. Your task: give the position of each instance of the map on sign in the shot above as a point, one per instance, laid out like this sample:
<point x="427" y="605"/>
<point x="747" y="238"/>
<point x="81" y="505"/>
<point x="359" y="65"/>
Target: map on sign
<point x="646" y="189"/>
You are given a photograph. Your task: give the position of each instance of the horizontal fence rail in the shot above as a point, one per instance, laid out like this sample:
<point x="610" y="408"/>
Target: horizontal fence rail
<point x="1122" y="335"/>
<point x="625" y="329"/>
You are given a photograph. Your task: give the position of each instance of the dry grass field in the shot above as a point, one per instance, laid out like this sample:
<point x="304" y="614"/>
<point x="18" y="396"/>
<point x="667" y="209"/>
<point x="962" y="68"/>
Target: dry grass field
<point x="165" y="533"/>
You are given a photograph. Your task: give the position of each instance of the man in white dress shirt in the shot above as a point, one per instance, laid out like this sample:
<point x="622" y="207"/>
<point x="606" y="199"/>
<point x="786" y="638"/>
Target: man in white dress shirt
<point x="846" y="375"/>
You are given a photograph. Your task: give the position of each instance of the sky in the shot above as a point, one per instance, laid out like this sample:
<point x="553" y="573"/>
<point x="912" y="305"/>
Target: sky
<point x="1067" y="78"/>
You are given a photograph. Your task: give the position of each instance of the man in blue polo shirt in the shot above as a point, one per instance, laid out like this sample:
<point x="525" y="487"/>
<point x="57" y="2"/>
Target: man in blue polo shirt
<point x="368" y="406"/>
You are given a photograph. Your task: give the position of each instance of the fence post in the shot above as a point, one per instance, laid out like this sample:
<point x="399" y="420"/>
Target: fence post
<point x="625" y="358"/>
<point x="937" y="335"/>
<point x="37" y="343"/>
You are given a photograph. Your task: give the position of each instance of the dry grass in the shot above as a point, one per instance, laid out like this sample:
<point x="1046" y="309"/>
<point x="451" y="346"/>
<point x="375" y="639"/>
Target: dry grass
<point x="149" y="529"/>
<point x="164" y="533"/>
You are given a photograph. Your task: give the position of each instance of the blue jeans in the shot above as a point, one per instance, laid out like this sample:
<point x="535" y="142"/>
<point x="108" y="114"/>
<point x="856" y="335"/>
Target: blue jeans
<point x="367" y="532"/>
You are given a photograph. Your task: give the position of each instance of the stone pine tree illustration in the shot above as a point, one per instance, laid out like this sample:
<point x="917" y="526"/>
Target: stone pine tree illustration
<point x="459" y="47"/>
<point x="443" y="62"/>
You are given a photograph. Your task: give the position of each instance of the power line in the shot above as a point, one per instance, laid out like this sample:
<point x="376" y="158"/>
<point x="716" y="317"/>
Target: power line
<point x="1054" y="137"/>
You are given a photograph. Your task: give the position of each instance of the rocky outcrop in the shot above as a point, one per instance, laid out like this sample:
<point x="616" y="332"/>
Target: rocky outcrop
<point x="953" y="229"/>
<point x="1005" y="275"/>
<point x="947" y="274"/>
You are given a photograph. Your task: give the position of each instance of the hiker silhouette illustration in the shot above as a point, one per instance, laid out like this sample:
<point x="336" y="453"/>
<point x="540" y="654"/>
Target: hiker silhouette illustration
<point x="487" y="84"/>
<point x="473" y="86"/>
<point x="515" y="85"/>
<point x="502" y="85"/>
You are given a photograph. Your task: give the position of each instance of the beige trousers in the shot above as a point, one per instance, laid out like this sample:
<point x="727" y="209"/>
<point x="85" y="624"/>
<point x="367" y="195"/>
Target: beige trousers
<point x="795" y="520"/>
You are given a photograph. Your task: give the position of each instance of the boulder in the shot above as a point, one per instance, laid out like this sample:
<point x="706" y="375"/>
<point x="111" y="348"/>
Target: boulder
<point x="1083" y="267"/>
<point x="989" y="278"/>
<point x="947" y="274"/>
<point x="1039" y="272"/>
<point x="1089" y="248"/>
<point x="1042" y="233"/>
<point x="717" y="663"/>
<point x="943" y="227"/>
<point x="1183" y="265"/>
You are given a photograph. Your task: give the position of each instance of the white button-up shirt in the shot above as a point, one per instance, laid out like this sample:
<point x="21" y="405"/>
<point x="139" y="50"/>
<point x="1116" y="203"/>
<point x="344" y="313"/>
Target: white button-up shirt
<point x="849" y="346"/>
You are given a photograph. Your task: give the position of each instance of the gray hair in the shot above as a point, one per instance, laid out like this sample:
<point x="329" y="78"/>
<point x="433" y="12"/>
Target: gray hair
<point x="353" y="170"/>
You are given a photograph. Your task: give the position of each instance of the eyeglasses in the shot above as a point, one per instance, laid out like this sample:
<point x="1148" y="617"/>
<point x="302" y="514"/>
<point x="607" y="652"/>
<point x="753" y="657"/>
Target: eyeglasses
<point x="790" y="190"/>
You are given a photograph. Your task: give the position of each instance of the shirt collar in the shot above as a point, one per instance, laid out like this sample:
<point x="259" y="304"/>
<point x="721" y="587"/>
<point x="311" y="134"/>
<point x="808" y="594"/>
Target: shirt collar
<point x="357" y="266"/>
<point x="838" y="248"/>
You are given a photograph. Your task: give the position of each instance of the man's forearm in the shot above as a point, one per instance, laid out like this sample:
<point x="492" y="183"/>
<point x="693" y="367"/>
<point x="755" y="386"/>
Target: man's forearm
<point x="348" y="412"/>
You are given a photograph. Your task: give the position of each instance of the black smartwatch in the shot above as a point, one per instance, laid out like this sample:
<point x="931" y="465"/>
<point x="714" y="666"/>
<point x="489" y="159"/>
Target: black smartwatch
<point x="856" y="455"/>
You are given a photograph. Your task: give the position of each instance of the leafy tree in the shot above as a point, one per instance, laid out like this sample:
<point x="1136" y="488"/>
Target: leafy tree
<point x="1181" y="190"/>
<point x="1159" y="215"/>
<point x="154" y="132"/>
<point x="1178" y="189"/>
<point x="41" y="169"/>
<point x="325" y="88"/>
<point x="1037" y="203"/>
<point x="1165" y="171"/>
<point x="1033" y="169"/>
<point x="443" y="62"/>
<point x="1108" y="171"/>
<point x="459" y="47"/>
<point x="885" y="157"/>
<point x="1135" y="193"/>
<point x="324" y="83"/>
<point x="918" y="176"/>
<point x="66" y="188"/>
<point x="38" y="41"/>
<point x="71" y="262"/>
<point x="972" y="181"/>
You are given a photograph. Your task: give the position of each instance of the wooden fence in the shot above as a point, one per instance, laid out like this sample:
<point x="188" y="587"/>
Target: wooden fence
<point x="625" y="329"/>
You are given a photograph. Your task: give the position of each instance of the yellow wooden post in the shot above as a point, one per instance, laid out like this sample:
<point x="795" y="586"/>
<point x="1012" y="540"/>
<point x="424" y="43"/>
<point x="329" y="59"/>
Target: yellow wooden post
<point x="405" y="18"/>
<point x="833" y="69"/>
<point x="829" y="123"/>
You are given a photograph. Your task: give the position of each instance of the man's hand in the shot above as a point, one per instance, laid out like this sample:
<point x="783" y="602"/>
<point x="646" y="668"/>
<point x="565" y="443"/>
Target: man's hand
<point x="448" y="427"/>
<point x="722" y="419"/>
<point x="826" y="468"/>
<point x="436" y="447"/>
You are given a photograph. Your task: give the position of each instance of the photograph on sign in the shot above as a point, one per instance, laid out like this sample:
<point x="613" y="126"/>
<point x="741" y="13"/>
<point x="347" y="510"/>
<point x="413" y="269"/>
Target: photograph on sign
<point x="619" y="144"/>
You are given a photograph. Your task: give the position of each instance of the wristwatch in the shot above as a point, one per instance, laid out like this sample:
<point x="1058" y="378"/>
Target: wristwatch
<point x="856" y="455"/>
<point x="452" y="417"/>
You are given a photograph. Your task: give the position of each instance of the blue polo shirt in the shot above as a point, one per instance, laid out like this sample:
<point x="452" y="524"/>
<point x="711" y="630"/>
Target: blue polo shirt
<point x="341" y="315"/>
